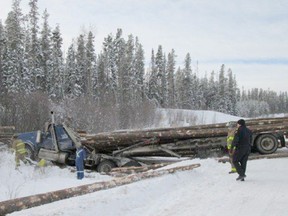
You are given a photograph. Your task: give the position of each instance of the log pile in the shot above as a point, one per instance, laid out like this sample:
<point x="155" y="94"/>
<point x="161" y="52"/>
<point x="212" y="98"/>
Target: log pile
<point x="6" y="133"/>
<point x="182" y="140"/>
<point x="19" y="204"/>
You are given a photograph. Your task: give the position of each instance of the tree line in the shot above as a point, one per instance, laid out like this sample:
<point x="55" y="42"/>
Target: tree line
<point x="113" y="89"/>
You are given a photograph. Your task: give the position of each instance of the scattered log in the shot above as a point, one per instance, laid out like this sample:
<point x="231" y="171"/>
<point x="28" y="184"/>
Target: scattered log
<point x="19" y="204"/>
<point x="121" y="171"/>
<point x="255" y="157"/>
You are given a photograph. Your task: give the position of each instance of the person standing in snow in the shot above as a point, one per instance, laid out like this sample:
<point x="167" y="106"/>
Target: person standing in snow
<point x="230" y="138"/>
<point x="80" y="156"/>
<point x="20" y="151"/>
<point x="242" y="144"/>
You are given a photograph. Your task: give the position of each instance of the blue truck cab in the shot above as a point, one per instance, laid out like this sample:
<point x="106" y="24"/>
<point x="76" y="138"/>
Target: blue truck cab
<point x="53" y="142"/>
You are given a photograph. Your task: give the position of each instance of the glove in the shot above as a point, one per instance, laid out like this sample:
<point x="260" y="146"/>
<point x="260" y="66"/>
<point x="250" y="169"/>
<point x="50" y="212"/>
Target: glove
<point x="231" y="151"/>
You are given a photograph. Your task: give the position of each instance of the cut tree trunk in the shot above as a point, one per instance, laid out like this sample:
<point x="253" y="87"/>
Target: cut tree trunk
<point x="112" y="141"/>
<point x="19" y="204"/>
<point x="255" y="157"/>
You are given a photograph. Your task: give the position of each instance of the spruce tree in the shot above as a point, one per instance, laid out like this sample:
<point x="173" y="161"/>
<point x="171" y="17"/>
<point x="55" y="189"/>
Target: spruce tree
<point x="187" y="101"/>
<point x="56" y="90"/>
<point x="90" y="63"/>
<point x="152" y="80"/>
<point x="71" y="87"/>
<point x="45" y="44"/>
<point x="139" y="65"/>
<point x="3" y="47"/>
<point x="161" y="76"/>
<point x="35" y="53"/>
<point x="13" y="58"/>
<point x="171" y="102"/>
<point x="81" y="69"/>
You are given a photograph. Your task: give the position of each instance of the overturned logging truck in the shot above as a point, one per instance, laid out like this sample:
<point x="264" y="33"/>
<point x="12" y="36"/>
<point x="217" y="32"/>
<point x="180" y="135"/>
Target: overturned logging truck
<point x="128" y="148"/>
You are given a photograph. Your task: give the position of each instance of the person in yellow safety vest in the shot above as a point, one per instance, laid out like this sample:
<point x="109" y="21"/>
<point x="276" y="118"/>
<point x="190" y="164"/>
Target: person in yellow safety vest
<point x="231" y="150"/>
<point x="20" y="151"/>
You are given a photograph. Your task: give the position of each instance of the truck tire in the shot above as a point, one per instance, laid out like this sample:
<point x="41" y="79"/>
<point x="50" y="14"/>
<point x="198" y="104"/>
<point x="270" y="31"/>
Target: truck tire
<point x="29" y="152"/>
<point x="266" y="144"/>
<point x="105" y="166"/>
<point x="132" y="163"/>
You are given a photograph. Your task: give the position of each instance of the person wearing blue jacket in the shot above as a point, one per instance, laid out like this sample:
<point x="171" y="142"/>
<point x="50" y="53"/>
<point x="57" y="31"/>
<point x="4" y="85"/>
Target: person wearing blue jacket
<point x="242" y="144"/>
<point x="80" y="157"/>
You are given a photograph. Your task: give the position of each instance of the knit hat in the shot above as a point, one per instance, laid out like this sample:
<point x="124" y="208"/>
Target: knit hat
<point x="241" y="122"/>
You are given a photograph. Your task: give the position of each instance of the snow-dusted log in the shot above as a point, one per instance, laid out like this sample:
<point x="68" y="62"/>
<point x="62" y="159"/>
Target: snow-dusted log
<point x="255" y="157"/>
<point x="114" y="140"/>
<point x="19" y="204"/>
<point x="119" y="171"/>
<point x="6" y="133"/>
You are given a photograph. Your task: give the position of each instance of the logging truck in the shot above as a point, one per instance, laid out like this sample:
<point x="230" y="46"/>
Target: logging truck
<point x="58" y="143"/>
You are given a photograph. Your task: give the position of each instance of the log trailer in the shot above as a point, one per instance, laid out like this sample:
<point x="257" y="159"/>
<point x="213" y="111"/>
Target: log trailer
<point x="58" y="143"/>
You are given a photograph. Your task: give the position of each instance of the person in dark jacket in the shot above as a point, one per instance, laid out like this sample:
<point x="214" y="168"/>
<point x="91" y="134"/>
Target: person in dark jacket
<point x="242" y="143"/>
<point x="80" y="157"/>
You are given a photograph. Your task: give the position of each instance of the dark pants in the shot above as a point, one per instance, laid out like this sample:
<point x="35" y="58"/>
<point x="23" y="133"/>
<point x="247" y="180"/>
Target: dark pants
<point x="80" y="168"/>
<point x="240" y="161"/>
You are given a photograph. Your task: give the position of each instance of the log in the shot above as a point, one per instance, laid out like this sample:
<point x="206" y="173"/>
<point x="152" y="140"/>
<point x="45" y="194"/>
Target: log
<point x="19" y="204"/>
<point x="6" y="134"/>
<point x="136" y="169"/>
<point x="7" y="129"/>
<point x="255" y="157"/>
<point x="115" y="140"/>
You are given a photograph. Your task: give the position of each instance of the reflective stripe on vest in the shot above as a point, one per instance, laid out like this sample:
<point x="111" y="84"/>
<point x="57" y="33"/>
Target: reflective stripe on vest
<point x="229" y="142"/>
<point x="20" y="148"/>
<point x="78" y="153"/>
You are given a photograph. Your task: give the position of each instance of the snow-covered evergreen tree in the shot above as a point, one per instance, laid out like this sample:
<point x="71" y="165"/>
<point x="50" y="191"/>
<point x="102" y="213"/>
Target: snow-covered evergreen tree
<point x="222" y="95"/>
<point x="71" y="88"/>
<point x="46" y="52"/>
<point x="179" y="88"/>
<point x="171" y="102"/>
<point x="128" y="83"/>
<point x="3" y="47"/>
<point x="153" y="93"/>
<point x="90" y="64"/>
<point x="81" y="69"/>
<point x="161" y="76"/>
<point x="139" y="66"/>
<point x="57" y="73"/>
<point x="232" y="94"/>
<point x="13" y="58"/>
<point x="35" y="53"/>
<point x="188" y="96"/>
<point x="211" y="97"/>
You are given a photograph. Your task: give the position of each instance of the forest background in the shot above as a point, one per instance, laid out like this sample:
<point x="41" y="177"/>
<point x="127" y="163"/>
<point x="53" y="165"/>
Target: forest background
<point x="107" y="89"/>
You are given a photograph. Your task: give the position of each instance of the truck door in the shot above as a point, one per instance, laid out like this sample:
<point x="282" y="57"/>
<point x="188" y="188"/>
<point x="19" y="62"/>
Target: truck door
<point x="47" y="141"/>
<point x="63" y="140"/>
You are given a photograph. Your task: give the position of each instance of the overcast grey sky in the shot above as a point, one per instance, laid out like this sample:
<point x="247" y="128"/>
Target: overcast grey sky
<point x="250" y="37"/>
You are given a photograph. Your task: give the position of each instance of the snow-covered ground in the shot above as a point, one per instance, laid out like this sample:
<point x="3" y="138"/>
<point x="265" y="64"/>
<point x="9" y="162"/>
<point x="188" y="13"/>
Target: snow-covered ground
<point x="207" y="190"/>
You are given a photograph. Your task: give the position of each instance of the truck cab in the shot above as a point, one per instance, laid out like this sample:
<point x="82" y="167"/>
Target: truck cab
<point x="53" y="143"/>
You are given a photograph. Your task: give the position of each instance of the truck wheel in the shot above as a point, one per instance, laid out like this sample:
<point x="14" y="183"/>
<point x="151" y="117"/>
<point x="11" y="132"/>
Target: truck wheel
<point x="29" y="152"/>
<point x="266" y="144"/>
<point x="132" y="163"/>
<point x="105" y="166"/>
